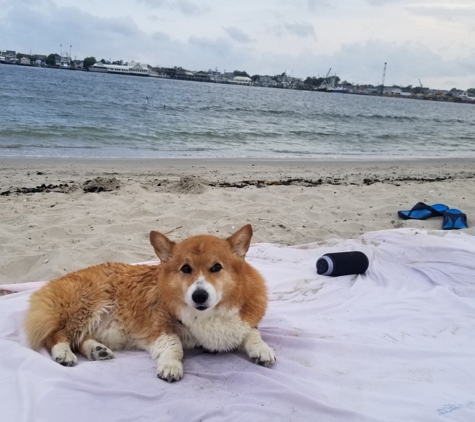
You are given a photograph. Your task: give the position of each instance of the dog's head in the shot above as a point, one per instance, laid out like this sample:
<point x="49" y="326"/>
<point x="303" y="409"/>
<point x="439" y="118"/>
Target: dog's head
<point x="202" y="271"/>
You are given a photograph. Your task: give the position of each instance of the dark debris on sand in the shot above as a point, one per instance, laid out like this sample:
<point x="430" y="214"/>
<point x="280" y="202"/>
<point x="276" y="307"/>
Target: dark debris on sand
<point x="61" y="188"/>
<point x="264" y="183"/>
<point x="198" y="185"/>
<point x="101" y="184"/>
<point x="186" y="185"/>
<point x="98" y="184"/>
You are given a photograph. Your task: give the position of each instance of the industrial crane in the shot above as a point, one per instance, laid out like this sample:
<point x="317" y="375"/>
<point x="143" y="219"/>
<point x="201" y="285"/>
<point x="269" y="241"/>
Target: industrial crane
<point x="323" y="85"/>
<point x="384" y="77"/>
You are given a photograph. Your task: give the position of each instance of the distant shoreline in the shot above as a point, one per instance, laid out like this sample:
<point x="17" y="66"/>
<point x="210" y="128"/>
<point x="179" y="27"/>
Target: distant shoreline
<point x="153" y="76"/>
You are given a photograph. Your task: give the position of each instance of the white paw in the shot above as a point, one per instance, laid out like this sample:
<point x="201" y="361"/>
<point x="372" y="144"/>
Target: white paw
<point x="101" y="352"/>
<point x="170" y="370"/>
<point x="263" y="355"/>
<point x="62" y="354"/>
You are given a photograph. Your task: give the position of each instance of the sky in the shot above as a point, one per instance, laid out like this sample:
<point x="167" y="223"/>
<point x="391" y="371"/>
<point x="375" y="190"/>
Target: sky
<point x="427" y="40"/>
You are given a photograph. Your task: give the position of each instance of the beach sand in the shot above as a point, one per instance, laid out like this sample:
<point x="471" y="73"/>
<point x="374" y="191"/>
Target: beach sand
<point x="60" y="228"/>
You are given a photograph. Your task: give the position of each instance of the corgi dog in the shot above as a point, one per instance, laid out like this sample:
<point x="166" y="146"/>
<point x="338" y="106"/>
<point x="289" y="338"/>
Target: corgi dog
<point x="202" y="294"/>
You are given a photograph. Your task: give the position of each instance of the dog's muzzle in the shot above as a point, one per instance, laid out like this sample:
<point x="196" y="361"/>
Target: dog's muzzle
<point x="200" y="297"/>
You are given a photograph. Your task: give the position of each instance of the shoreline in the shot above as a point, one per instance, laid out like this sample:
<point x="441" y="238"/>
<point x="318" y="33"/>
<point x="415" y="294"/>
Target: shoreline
<point x="47" y="232"/>
<point x="183" y="164"/>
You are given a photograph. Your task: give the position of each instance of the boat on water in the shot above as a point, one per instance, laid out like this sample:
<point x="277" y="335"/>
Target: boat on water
<point x="341" y="90"/>
<point x="331" y="84"/>
<point x="467" y="98"/>
<point x="65" y="61"/>
<point x="324" y="85"/>
<point x="132" y="68"/>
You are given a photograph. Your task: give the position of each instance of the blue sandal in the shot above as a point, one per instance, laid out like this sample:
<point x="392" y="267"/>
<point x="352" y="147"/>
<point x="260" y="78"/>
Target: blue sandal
<point x="454" y="219"/>
<point x="421" y="211"/>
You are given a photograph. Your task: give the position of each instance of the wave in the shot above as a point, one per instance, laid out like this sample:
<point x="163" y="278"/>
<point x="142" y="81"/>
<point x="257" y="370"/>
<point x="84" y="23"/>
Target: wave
<point x="392" y="117"/>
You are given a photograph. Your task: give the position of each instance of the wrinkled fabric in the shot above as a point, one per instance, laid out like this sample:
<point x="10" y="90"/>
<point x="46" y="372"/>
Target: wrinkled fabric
<point x="394" y="344"/>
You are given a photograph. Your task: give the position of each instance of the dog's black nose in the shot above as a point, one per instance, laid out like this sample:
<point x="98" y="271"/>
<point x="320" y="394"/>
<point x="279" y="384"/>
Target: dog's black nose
<point x="200" y="296"/>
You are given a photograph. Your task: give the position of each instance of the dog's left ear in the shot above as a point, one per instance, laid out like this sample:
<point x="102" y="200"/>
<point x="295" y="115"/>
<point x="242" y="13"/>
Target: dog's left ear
<point x="163" y="245"/>
<point x="241" y="240"/>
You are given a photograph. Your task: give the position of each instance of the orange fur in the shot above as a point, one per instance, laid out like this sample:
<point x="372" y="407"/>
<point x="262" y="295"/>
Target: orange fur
<point x="131" y="306"/>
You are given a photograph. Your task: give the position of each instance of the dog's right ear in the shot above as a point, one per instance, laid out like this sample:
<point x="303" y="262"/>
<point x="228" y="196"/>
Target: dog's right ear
<point x="163" y="245"/>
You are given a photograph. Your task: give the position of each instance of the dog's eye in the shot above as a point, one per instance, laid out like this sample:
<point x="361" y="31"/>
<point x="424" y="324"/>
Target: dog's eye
<point x="215" y="268"/>
<point x="186" y="269"/>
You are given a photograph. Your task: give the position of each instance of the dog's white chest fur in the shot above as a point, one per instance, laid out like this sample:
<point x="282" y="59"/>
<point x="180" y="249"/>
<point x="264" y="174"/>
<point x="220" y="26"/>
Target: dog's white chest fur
<point x="216" y="330"/>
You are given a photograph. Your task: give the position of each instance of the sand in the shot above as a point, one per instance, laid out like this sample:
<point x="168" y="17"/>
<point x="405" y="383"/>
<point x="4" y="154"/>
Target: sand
<point x="59" y="215"/>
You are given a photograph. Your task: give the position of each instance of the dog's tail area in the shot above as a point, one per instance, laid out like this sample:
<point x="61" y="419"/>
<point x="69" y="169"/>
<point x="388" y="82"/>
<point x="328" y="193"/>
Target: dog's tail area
<point x="41" y="320"/>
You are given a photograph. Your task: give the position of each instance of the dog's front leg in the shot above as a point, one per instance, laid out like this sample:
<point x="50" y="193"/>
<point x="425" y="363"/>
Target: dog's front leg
<point x="257" y="349"/>
<point x="167" y="350"/>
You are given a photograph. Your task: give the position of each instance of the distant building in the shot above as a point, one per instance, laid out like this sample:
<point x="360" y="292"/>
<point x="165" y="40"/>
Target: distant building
<point x="201" y="76"/>
<point x="25" y="61"/>
<point x="266" y="81"/>
<point x="214" y="75"/>
<point x="140" y="69"/>
<point x="392" y="90"/>
<point x="98" y="67"/>
<point x="368" y="89"/>
<point x="10" y="56"/>
<point x="79" y="64"/>
<point x="346" y="87"/>
<point x="183" y="74"/>
<point x="165" y="72"/>
<point x="38" y="59"/>
<point x="242" y="80"/>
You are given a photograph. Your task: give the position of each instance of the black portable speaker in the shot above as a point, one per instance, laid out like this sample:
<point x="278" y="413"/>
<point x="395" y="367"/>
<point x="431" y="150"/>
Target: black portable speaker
<point x="342" y="263"/>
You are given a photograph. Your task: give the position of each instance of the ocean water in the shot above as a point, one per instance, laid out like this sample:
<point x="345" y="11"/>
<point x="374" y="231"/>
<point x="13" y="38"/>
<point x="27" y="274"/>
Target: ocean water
<point x="62" y="113"/>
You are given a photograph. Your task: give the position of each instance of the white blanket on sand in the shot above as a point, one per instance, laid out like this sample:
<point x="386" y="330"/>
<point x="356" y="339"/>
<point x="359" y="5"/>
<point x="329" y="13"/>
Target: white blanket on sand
<point x="395" y="344"/>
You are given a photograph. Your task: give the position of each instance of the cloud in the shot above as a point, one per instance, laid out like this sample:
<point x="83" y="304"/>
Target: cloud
<point x="155" y="3"/>
<point x="237" y="35"/>
<point x="444" y="11"/>
<point x="406" y="63"/>
<point x="160" y="36"/>
<point x="319" y="5"/>
<point x="24" y="28"/>
<point x="297" y="29"/>
<point x="184" y="6"/>
<point x="31" y="2"/>
<point x="363" y="63"/>
<point x="383" y="2"/>
<point x="264" y="38"/>
<point x="217" y="46"/>
<point x="300" y="29"/>
<point x="44" y="30"/>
